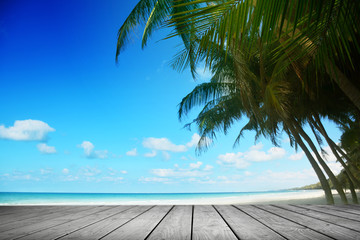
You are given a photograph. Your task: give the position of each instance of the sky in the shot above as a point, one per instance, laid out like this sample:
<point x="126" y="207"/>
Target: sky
<point x="74" y="120"/>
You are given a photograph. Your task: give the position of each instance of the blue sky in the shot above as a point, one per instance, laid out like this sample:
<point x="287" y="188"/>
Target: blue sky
<point x="72" y="120"/>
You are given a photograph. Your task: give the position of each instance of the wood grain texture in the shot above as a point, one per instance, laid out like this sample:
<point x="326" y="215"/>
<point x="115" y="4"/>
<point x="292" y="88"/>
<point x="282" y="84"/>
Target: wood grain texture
<point x="180" y="222"/>
<point x="332" y="212"/>
<point x="106" y="226"/>
<point x="77" y="212"/>
<point x="30" y="215"/>
<point x="342" y="209"/>
<point x="208" y="224"/>
<point x="11" y="210"/>
<point x="353" y="206"/>
<point x="244" y="226"/>
<point x="141" y="226"/>
<point x="344" y="222"/>
<point x="40" y="217"/>
<point x="176" y="225"/>
<point x="284" y="227"/>
<point x="72" y="226"/>
<point x="320" y="226"/>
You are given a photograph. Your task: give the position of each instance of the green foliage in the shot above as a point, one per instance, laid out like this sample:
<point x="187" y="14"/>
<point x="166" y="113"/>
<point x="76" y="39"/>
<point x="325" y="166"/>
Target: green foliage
<point x="278" y="63"/>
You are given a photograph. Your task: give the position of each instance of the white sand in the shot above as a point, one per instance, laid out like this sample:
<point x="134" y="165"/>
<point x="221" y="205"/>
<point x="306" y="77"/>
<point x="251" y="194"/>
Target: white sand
<point x="300" y="197"/>
<point x="296" y="197"/>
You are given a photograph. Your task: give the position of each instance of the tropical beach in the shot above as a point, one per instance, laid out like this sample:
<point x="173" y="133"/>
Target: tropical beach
<point x="162" y="119"/>
<point x="270" y="197"/>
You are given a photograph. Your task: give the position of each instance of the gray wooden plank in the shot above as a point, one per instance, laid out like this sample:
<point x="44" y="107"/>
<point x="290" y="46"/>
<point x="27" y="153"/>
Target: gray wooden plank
<point x="342" y="208"/>
<point x="175" y="226"/>
<point x="353" y="206"/>
<point x="27" y="214"/>
<point x="69" y="227"/>
<point x="141" y="226"/>
<point x="244" y="226"/>
<point x="40" y="218"/>
<point x="41" y="225"/>
<point x="286" y="228"/>
<point x="208" y="224"/>
<point x="347" y="223"/>
<point x="15" y="211"/>
<point x="332" y="212"/>
<point x="326" y="228"/>
<point x="104" y="227"/>
<point x="6" y="210"/>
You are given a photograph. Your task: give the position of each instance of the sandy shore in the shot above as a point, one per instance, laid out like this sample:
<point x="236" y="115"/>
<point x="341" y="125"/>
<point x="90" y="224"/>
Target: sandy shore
<point x="311" y="200"/>
<point x="290" y="197"/>
<point x="307" y="197"/>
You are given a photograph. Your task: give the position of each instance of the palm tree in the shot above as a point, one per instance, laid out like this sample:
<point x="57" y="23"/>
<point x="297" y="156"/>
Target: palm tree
<point x="240" y="88"/>
<point x="327" y="33"/>
<point x="153" y="14"/>
<point x="223" y="33"/>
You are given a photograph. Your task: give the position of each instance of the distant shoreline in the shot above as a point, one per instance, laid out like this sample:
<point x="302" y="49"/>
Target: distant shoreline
<point x="269" y="197"/>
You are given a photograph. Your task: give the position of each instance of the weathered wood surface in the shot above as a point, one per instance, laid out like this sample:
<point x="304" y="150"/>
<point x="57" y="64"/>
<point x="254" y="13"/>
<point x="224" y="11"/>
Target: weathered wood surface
<point x="180" y="222"/>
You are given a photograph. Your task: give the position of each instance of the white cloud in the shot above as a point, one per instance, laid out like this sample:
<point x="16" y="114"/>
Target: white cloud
<point x="88" y="147"/>
<point x="242" y="160"/>
<point x="335" y="166"/>
<point x="195" y="165"/>
<point x="65" y="171"/>
<point x="194" y="140"/>
<point x="150" y="154"/>
<point x="26" y="130"/>
<point x="222" y="178"/>
<point x="163" y="144"/>
<point x="204" y="74"/>
<point x="90" y="152"/>
<point x="132" y="152"/>
<point x="233" y="160"/>
<point x="208" y="168"/>
<point x="331" y="160"/>
<point x="70" y="178"/>
<point x="261" y="156"/>
<point x="112" y="171"/>
<point x="166" y="155"/>
<point x="45" y="149"/>
<point x="247" y="173"/>
<point x="89" y="171"/>
<point x="178" y="173"/>
<point x="24" y="176"/>
<point x="206" y="181"/>
<point x="153" y="179"/>
<point x="257" y="146"/>
<point x="45" y="171"/>
<point x="290" y="175"/>
<point x="100" y="154"/>
<point x="297" y="156"/>
<point x="112" y="179"/>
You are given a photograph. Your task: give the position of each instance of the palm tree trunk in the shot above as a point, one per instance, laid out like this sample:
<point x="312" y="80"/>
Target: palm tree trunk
<point x="348" y="88"/>
<point x="323" y="181"/>
<point x="352" y="190"/>
<point x="332" y="177"/>
<point x="318" y="125"/>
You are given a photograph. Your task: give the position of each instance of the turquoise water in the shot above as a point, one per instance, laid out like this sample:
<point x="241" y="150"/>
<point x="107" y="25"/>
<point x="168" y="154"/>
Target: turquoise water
<point x="23" y="198"/>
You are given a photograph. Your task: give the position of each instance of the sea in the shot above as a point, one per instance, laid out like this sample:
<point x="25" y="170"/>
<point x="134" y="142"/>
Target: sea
<point x="38" y="198"/>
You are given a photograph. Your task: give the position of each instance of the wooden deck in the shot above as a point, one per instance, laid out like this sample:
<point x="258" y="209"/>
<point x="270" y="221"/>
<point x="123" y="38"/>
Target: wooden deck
<point x="180" y="222"/>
